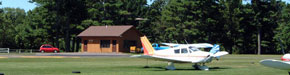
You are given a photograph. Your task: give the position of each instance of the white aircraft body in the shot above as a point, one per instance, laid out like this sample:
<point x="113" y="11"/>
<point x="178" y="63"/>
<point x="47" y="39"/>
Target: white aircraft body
<point x="283" y="64"/>
<point x="183" y="53"/>
<point x="198" y="45"/>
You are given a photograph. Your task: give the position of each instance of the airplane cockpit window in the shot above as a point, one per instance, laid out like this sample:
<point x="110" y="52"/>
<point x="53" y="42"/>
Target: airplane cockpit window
<point x="177" y="51"/>
<point x="193" y="49"/>
<point x="184" y="50"/>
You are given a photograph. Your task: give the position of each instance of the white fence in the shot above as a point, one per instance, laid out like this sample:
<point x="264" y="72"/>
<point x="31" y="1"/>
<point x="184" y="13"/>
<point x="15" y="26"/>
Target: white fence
<point x="4" y="50"/>
<point x="24" y="50"/>
<point x="7" y="50"/>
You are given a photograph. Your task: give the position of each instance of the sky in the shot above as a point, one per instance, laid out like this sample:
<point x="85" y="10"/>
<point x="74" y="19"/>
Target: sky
<point x="24" y="4"/>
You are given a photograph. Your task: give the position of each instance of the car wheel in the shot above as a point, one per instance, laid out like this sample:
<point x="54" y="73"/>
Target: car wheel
<point x="42" y="51"/>
<point x="55" y="51"/>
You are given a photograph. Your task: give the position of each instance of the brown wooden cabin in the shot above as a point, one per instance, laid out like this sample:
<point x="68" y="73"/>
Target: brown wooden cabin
<point x="106" y="39"/>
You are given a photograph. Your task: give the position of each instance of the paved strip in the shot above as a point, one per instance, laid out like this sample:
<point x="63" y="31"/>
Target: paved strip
<point x="66" y="55"/>
<point x="46" y="57"/>
<point x="3" y="57"/>
<point x="84" y="54"/>
<point x="38" y="57"/>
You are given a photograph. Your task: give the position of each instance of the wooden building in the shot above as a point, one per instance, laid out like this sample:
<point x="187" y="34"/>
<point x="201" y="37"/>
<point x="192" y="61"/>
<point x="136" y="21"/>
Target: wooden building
<point x="105" y="39"/>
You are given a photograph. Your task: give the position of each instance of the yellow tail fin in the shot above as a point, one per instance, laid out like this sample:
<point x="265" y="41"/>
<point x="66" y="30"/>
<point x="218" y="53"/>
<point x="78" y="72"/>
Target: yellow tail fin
<point x="147" y="47"/>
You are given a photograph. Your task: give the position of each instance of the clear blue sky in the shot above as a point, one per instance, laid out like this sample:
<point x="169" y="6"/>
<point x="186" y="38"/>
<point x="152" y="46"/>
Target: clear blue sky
<point x="24" y="4"/>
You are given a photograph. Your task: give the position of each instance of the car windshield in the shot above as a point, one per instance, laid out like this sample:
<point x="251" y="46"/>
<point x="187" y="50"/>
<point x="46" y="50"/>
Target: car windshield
<point x="47" y="47"/>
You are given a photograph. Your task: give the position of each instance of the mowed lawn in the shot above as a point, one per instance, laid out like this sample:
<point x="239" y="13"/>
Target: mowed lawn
<point x="228" y="65"/>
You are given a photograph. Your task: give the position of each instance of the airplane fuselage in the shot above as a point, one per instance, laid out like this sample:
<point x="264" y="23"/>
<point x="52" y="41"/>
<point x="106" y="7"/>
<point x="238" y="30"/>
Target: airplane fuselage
<point x="183" y="55"/>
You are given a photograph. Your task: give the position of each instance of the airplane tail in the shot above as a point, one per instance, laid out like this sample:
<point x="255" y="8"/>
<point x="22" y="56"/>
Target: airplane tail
<point x="147" y="47"/>
<point x="213" y="53"/>
<point x="215" y="49"/>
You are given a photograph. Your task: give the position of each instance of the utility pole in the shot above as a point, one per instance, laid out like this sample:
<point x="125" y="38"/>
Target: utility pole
<point x="259" y="42"/>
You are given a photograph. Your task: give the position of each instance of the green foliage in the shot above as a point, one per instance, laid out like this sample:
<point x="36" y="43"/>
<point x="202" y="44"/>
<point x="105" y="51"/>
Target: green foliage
<point x="230" y="23"/>
<point x="11" y="25"/>
<point x="267" y="17"/>
<point x="283" y="30"/>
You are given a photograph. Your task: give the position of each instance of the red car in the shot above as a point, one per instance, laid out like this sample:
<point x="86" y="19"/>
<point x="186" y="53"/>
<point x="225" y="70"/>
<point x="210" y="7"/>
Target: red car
<point x="48" y="48"/>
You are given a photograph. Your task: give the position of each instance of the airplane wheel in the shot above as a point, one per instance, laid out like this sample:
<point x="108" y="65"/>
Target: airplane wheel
<point x="146" y="67"/>
<point x="195" y="67"/>
<point x="205" y="68"/>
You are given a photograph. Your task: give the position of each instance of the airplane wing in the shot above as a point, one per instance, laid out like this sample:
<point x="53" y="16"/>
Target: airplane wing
<point x="197" y="45"/>
<point x="170" y="44"/>
<point x="284" y="65"/>
<point x="200" y="45"/>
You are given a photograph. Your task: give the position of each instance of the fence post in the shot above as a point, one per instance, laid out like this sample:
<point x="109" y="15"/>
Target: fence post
<point x="8" y="50"/>
<point x="31" y="51"/>
<point x="19" y="51"/>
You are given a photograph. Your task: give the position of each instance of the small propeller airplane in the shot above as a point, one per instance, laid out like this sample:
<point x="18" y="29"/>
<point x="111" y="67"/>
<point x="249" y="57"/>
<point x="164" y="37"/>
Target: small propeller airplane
<point x="283" y="64"/>
<point x="182" y="53"/>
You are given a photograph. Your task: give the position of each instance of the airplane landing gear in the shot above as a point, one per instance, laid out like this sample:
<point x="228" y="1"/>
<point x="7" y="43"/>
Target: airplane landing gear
<point x="170" y="66"/>
<point x="204" y="67"/>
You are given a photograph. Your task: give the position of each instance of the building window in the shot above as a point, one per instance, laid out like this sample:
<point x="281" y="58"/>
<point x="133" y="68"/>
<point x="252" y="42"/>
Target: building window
<point x="91" y="41"/>
<point x="85" y="42"/>
<point x="105" y="43"/>
<point x="95" y="41"/>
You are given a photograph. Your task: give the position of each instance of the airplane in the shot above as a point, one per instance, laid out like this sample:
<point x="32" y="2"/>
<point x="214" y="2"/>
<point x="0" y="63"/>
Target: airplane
<point x="283" y="64"/>
<point x="181" y="54"/>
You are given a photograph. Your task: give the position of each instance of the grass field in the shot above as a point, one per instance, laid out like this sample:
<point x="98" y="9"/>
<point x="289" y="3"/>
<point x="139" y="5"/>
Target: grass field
<point x="228" y="65"/>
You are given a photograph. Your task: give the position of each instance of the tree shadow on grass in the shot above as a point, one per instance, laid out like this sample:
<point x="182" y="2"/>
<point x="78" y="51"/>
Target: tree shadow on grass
<point x="187" y="69"/>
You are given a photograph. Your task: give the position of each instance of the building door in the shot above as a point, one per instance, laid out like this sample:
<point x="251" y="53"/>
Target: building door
<point x="128" y="44"/>
<point x="114" y="45"/>
<point x="85" y="45"/>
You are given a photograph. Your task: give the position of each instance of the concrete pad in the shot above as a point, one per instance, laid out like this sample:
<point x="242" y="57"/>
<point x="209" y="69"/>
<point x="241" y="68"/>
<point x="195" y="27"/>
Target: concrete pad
<point x="85" y="54"/>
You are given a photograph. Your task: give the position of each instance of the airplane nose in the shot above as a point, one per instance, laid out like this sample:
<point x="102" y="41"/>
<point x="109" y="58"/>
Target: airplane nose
<point x="284" y="59"/>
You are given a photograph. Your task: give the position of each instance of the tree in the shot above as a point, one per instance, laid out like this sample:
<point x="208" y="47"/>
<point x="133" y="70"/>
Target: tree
<point x="193" y="21"/>
<point x="12" y="18"/>
<point x="283" y="30"/>
<point x="231" y="11"/>
<point x="247" y="38"/>
<point x="68" y="15"/>
<point x="151" y="27"/>
<point x="266" y="20"/>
